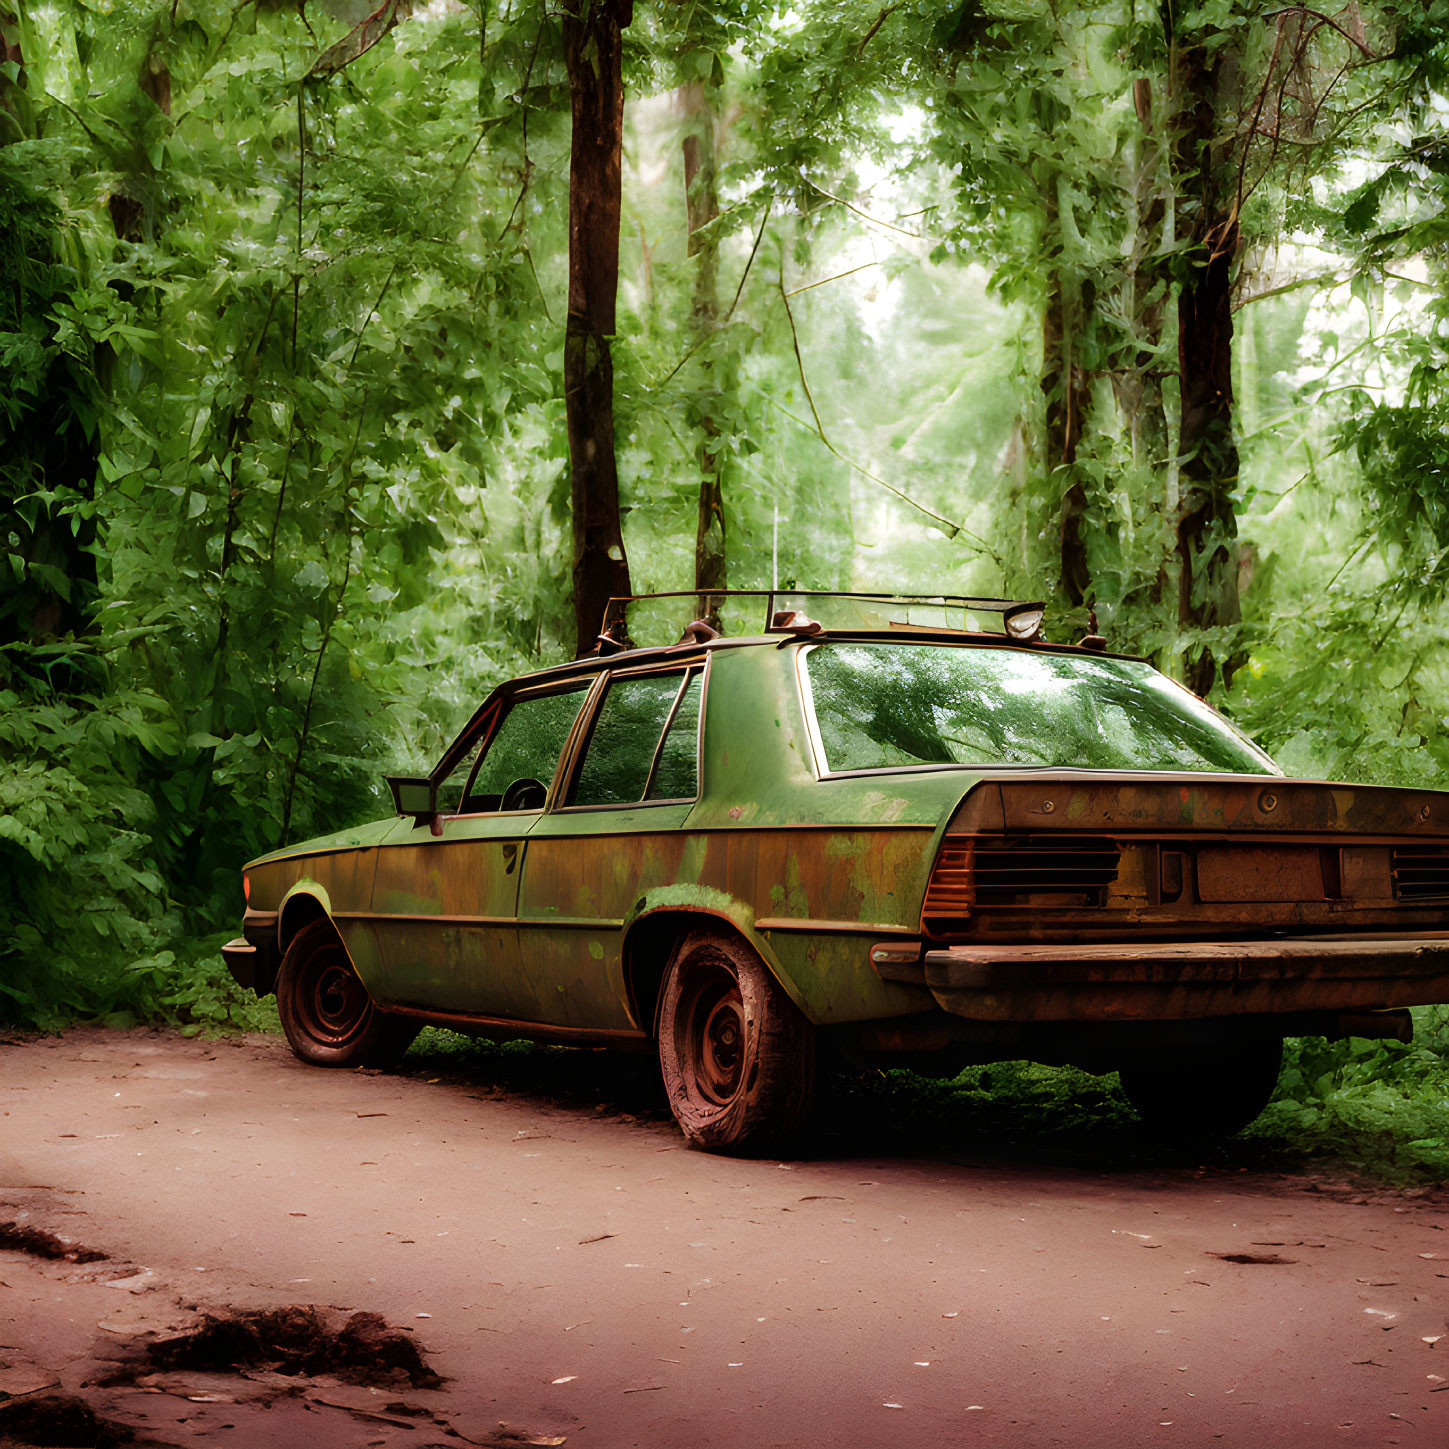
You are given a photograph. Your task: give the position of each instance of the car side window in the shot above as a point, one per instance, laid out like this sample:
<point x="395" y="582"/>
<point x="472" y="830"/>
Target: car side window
<point x="676" y="768"/>
<point x="639" y="738"/>
<point x="515" y="769"/>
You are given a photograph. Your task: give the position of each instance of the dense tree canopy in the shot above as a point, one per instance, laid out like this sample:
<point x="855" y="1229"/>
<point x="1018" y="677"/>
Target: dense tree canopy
<point x="1139" y="308"/>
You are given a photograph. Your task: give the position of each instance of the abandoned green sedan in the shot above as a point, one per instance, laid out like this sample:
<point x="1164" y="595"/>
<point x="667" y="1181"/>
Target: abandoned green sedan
<point x="930" y="842"/>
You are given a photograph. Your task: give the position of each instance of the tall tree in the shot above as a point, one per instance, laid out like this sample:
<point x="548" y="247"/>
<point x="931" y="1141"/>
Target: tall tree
<point x="701" y="196"/>
<point x="1248" y="98"/>
<point x="1204" y="66"/>
<point x="593" y="52"/>
<point x="1031" y="131"/>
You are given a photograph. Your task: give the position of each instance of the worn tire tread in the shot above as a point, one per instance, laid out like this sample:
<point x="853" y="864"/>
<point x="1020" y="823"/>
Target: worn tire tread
<point x="384" y="1039"/>
<point x="773" y="1102"/>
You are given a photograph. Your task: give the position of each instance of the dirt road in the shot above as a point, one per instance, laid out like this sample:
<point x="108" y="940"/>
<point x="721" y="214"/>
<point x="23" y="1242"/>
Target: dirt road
<point x="579" y="1276"/>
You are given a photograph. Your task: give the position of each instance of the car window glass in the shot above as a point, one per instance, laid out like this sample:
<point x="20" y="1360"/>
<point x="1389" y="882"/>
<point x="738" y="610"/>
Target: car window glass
<point x="883" y="705"/>
<point x="620" y="752"/>
<point x="676" y="774"/>
<point x="525" y="747"/>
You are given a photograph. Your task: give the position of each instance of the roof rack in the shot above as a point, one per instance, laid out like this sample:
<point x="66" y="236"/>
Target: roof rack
<point x="787" y="611"/>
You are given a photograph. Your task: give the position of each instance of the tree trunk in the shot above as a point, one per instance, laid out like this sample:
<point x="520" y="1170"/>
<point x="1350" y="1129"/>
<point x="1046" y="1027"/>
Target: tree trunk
<point x="593" y="46"/>
<point x="1149" y="284"/>
<point x="1207" y="531"/>
<point x="1065" y="391"/>
<point x="702" y="205"/>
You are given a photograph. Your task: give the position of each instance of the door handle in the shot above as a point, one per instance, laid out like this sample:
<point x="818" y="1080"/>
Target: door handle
<point x="510" y="856"/>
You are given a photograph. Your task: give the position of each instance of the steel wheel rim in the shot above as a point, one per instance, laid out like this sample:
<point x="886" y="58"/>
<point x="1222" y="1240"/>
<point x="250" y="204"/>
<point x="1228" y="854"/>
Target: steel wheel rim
<point x="714" y="1045"/>
<point x="335" y="1003"/>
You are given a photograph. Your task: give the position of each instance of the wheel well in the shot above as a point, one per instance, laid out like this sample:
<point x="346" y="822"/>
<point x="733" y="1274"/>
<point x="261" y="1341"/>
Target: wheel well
<point x="649" y="946"/>
<point x="299" y="912"/>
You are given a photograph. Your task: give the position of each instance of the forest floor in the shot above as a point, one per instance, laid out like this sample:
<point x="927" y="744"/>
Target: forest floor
<point x="206" y="1242"/>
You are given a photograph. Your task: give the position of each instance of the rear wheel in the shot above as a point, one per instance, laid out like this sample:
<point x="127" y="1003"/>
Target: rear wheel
<point x="737" y="1057"/>
<point x="1197" y="1092"/>
<point x="327" y="1014"/>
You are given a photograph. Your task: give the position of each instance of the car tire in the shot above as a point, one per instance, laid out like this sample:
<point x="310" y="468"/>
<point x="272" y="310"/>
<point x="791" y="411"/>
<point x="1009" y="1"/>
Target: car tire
<point x="328" y="1016"/>
<point x="1203" y="1092"/>
<point x="736" y="1055"/>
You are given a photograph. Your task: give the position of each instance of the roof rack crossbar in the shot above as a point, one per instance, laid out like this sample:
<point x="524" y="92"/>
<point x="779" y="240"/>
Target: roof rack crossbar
<point x="613" y="633"/>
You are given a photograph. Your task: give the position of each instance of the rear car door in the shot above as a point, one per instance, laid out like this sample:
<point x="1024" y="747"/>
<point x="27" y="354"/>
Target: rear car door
<point x="614" y="833"/>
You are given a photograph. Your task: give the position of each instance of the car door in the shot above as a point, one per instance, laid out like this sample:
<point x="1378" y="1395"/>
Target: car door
<point x="614" y="833"/>
<point x="445" y="895"/>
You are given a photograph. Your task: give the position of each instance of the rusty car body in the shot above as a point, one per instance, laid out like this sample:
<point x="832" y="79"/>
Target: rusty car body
<point x="933" y="843"/>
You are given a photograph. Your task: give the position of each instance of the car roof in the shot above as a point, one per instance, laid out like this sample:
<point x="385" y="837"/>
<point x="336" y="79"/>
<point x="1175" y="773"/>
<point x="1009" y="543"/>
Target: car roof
<point x="781" y="636"/>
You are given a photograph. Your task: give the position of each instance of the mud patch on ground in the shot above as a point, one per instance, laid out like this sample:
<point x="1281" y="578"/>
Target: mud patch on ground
<point x="1267" y="1259"/>
<point x="59" y="1421"/>
<point x="300" y="1341"/>
<point x="20" y="1237"/>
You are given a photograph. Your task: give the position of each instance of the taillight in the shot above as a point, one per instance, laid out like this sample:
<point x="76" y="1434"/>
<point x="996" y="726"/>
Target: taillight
<point x="246" y="887"/>
<point x="950" y="891"/>
<point x="975" y="872"/>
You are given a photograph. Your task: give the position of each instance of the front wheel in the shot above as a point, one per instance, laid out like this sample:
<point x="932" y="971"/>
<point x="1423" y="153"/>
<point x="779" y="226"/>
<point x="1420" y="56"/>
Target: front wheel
<point x="1199" y="1092"/>
<point x="737" y="1057"/>
<point x="327" y="1014"/>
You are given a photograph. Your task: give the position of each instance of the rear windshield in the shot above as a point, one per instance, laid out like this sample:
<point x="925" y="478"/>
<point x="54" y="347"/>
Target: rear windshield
<point x="889" y="706"/>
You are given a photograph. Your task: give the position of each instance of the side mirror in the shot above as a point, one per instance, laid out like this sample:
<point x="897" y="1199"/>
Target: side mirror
<point x="415" y="797"/>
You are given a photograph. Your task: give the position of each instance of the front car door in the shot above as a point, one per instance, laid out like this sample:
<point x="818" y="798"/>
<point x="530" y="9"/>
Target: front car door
<point x="445" y="896"/>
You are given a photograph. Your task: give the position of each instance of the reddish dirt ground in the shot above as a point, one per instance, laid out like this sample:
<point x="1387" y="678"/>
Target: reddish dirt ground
<point x="578" y="1276"/>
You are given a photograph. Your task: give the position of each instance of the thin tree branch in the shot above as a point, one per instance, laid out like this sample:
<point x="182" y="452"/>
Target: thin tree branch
<point x="1353" y="553"/>
<point x="879" y="21"/>
<point x="1334" y="279"/>
<point x="1323" y="20"/>
<point x="1246" y="148"/>
<point x="824" y="281"/>
<point x="800" y="361"/>
<point x="361" y="38"/>
<point x="1305" y="38"/>
<point x="750" y="261"/>
<point x="533" y="272"/>
<point x="864" y="215"/>
<point x="950" y="528"/>
<point x="946" y="525"/>
<point x="527" y="164"/>
<point x="724" y="321"/>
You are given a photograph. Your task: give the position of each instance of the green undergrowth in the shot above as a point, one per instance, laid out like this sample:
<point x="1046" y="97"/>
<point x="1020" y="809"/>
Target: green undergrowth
<point x="1382" y="1107"/>
<point x="1374" y="1109"/>
<point x="188" y="990"/>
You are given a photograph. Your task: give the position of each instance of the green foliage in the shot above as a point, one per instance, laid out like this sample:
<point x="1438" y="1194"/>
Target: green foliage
<point x="49" y="400"/>
<point x="1383" y="1106"/>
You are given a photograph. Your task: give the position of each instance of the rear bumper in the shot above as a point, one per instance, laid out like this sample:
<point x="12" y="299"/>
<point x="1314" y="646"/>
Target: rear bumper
<point x="1167" y="980"/>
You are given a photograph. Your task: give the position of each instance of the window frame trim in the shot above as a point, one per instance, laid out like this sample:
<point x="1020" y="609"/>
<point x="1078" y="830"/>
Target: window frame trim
<point x="821" y="761"/>
<point x="698" y="663"/>
<point x="508" y="704"/>
<point x="690" y="676"/>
